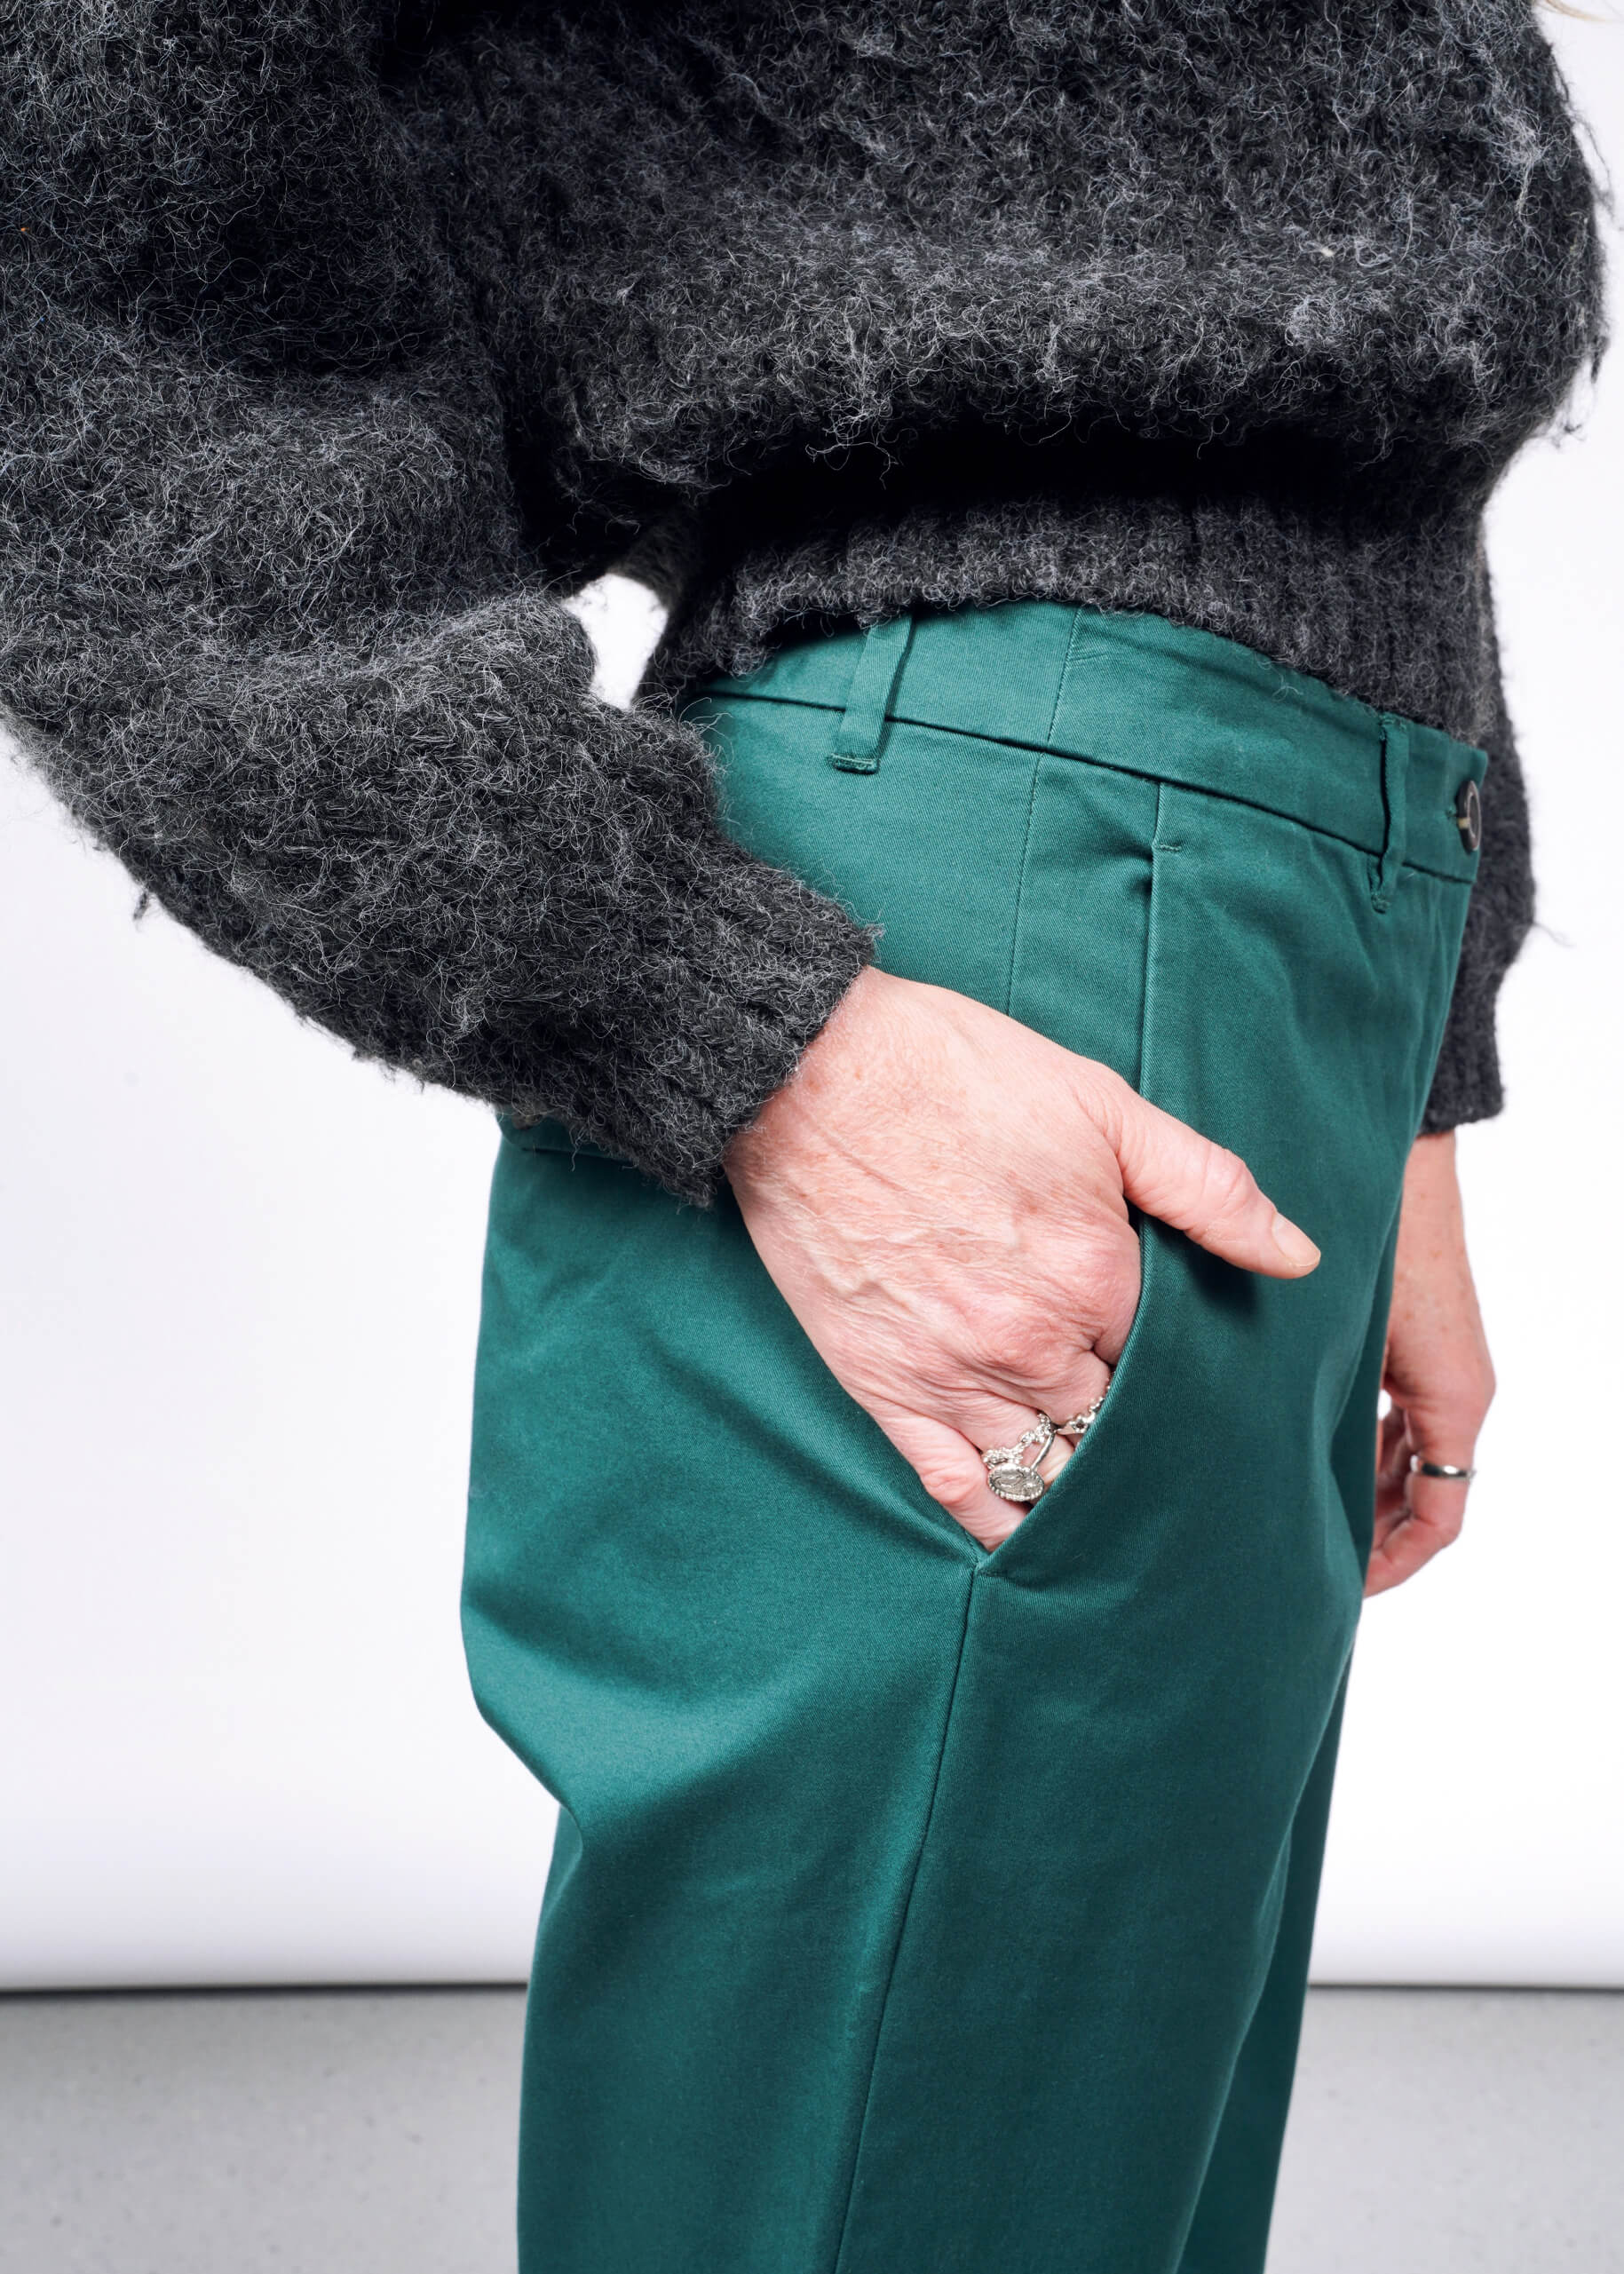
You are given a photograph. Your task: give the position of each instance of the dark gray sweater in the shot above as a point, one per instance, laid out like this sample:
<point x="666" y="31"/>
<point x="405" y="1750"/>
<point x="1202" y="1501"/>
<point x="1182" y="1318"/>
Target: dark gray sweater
<point x="339" y="340"/>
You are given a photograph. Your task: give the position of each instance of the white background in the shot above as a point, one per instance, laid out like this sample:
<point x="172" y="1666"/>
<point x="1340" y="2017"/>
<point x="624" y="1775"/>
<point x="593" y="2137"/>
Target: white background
<point x="238" y="1296"/>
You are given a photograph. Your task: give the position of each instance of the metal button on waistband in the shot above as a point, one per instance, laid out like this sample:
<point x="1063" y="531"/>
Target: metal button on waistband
<point x="1469" y="815"/>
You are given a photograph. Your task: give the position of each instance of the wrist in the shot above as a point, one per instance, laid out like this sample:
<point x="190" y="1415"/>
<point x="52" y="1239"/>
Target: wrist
<point x="830" y="1064"/>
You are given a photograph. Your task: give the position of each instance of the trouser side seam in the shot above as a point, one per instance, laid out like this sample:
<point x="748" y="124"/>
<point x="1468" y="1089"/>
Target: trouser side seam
<point x="908" y="1906"/>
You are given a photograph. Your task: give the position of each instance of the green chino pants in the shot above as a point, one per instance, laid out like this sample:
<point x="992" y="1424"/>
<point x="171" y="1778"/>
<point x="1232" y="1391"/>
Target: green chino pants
<point x="916" y="1908"/>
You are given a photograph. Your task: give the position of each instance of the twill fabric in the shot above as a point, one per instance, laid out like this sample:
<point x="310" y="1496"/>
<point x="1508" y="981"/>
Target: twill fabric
<point x="917" y="1908"/>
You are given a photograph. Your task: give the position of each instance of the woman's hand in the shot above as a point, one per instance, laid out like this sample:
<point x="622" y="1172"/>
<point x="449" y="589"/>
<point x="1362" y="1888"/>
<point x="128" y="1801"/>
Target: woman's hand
<point x="1437" y="1371"/>
<point x="941" y="1197"/>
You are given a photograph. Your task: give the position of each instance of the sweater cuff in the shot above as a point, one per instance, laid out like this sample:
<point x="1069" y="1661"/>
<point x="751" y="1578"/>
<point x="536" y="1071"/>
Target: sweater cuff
<point x="743" y="982"/>
<point x="1466" y="1085"/>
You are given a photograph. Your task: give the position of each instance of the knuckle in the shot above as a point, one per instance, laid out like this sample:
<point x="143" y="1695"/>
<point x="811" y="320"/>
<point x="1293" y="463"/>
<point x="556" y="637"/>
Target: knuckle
<point x="953" y="1484"/>
<point x="1229" y="1185"/>
<point x="962" y="1502"/>
<point x="1459" y="1418"/>
<point x="1121" y="1285"/>
<point x="1033" y="1334"/>
<point x="1103" y="1259"/>
<point x="1102" y="1094"/>
<point x="1224" y="1188"/>
<point x="1011" y="1338"/>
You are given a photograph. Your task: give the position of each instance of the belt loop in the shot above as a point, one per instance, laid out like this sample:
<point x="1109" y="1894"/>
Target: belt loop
<point x="857" y="739"/>
<point x="1395" y="786"/>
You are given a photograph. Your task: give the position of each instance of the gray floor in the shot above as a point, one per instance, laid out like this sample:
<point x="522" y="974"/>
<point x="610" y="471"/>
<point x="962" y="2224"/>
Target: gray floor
<point x="371" y="2133"/>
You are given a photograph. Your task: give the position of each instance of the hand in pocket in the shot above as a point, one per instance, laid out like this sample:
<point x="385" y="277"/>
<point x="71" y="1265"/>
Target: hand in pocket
<point x="941" y="1195"/>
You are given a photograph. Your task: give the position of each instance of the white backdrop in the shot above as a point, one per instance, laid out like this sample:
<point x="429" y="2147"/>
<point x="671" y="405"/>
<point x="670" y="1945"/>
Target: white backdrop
<point x="238" y="1293"/>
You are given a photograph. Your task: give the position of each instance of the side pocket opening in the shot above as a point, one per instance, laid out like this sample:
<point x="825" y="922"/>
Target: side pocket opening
<point x="1055" y="1509"/>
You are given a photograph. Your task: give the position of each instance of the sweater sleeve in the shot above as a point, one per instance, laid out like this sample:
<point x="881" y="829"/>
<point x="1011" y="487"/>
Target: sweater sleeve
<point x="1467" y="1084"/>
<point x="270" y="627"/>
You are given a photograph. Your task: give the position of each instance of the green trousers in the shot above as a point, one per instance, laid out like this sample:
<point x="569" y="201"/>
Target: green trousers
<point x="916" y="1908"/>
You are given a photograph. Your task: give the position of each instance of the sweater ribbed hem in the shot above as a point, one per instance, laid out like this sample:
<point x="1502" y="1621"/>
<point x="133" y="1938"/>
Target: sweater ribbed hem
<point x="1391" y="608"/>
<point x="1467" y="1086"/>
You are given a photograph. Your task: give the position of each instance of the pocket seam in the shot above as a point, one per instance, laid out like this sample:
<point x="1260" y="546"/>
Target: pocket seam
<point x="1020" y="884"/>
<point x="989" y="1564"/>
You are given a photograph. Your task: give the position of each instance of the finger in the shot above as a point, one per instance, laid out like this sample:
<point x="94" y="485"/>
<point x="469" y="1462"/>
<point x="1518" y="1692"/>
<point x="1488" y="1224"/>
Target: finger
<point x="946" y="1451"/>
<point x="1172" y="1172"/>
<point x="1013" y="1406"/>
<point x="1392" y="1464"/>
<point x="1083" y="1383"/>
<point x="1064" y="1446"/>
<point x="997" y="1420"/>
<point x="949" y="1466"/>
<point x="951" y="1441"/>
<point x="1434" y="1509"/>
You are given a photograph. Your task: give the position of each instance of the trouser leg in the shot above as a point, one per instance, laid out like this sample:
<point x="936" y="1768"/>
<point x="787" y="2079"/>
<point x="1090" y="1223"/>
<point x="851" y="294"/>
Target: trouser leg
<point x="1230" y="2232"/>
<point x="1111" y="1920"/>
<point x="1138" y="1736"/>
<point x="919" y="1910"/>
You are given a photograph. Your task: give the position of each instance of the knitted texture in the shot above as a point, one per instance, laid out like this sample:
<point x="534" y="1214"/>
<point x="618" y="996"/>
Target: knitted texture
<point x="338" y="342"/>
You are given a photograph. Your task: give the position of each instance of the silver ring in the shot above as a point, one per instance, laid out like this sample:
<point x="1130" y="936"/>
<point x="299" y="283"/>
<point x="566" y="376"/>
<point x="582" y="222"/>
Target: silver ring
<point x="1081" y="1423"/>
<point x="1447" y="1469"/>
<point x="1012" y="1477"/>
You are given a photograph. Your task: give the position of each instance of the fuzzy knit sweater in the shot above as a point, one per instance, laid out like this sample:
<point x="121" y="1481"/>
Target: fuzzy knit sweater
<point x="341" y="339"/>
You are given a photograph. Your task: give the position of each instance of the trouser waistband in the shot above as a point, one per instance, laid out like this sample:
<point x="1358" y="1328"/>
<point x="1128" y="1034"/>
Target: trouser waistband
<point x="1152" y="698"/>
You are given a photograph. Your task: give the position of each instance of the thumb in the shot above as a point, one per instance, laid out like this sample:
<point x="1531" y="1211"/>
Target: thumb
<point x="1171" y="1172"/>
